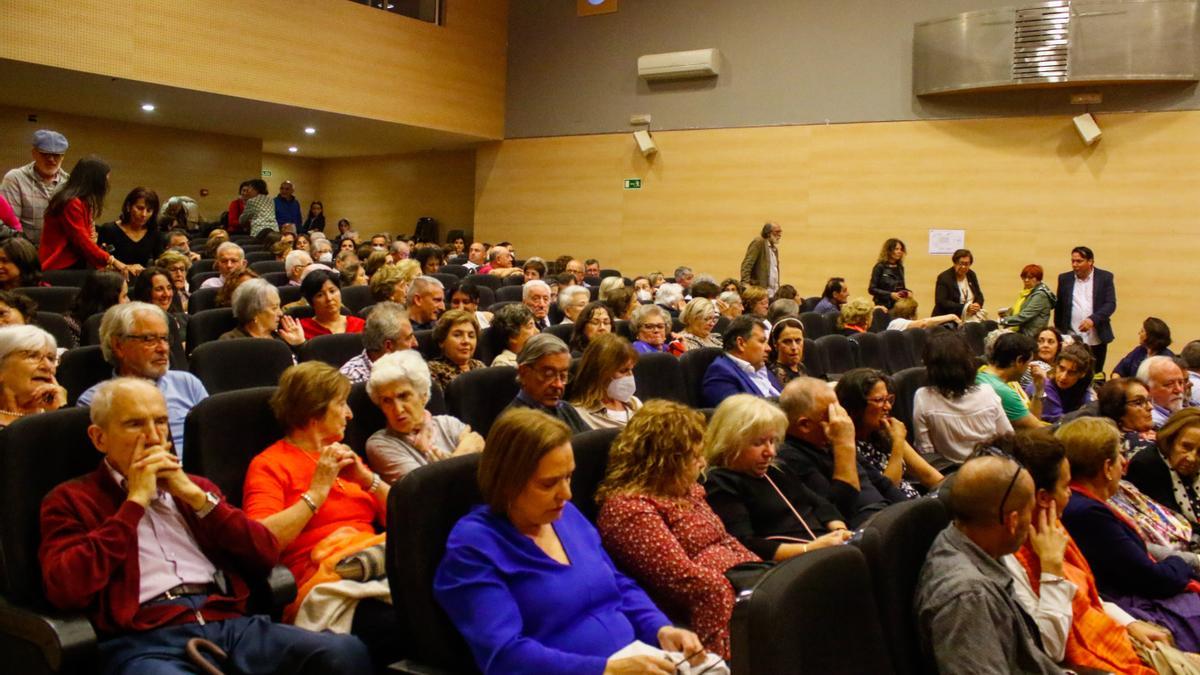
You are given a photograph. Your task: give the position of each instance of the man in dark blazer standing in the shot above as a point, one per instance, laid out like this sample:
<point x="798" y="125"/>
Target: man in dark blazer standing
<point x="1087" y="298"/>
<point x="760" y="266"/>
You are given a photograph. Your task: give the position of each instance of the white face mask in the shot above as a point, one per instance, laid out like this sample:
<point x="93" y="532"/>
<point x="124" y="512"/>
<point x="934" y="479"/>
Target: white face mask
<point x="325" y="258"/>
<point x="644" y="297"/>
<point x="622" y="388"/>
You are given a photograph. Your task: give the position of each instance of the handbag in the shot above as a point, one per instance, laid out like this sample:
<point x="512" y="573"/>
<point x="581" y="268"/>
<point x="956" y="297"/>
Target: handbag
<point x="744" y="576"/>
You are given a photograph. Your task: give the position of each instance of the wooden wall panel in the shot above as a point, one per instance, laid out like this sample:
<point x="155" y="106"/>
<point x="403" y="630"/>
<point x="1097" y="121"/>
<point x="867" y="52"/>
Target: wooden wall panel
<point x="1024" y="189"/>
<point x="169" y="161"/>
<point x="327" y="55"/>
<point x="389" y="194"/>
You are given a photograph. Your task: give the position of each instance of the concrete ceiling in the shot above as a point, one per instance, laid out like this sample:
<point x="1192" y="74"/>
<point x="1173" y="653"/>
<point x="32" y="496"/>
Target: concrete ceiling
<point x="279" y="126"/>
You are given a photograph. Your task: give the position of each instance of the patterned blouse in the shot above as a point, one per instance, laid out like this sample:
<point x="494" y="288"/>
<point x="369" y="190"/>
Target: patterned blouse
<point x="873" y="451"/>
<point x="785" y="374"/>
<point x="444" y="371"/>
<point x="678" y="550"/>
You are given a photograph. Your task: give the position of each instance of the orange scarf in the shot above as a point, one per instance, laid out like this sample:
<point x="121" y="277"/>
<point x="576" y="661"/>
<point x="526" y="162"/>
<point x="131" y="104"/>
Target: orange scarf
<point x="340" y="543"/>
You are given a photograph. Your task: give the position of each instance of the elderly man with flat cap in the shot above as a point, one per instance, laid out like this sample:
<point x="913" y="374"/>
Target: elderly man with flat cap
<point x="967" y="615"/>
<point x="29" y="188"/>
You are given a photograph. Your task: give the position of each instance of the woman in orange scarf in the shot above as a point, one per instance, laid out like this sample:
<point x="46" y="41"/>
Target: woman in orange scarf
<point x="1100" y="634"/>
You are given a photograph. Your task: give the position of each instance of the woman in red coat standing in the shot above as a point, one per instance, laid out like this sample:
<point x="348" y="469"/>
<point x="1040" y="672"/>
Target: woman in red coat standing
<point x="69" y="230"/>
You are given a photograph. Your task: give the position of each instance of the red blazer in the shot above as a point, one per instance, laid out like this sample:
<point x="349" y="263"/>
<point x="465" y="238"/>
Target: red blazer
<point x="67" y="239"/>
<point x="89" y="555"/>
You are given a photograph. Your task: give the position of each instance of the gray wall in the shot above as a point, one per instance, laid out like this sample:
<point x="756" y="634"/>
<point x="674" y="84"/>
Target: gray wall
<point x="785" y="62"/>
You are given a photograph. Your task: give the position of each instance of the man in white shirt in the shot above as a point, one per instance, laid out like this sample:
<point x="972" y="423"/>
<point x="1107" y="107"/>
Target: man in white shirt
<point x="231" y="260"/>
<point x="476" y="256"/>
<point x="536" y="296"/>
<point x="1087" y="299"/>
<point x="742" y="369"/>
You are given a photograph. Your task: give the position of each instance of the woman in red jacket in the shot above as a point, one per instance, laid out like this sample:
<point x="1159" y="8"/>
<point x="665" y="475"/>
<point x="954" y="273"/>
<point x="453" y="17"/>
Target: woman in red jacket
<point x="69" y="229"/>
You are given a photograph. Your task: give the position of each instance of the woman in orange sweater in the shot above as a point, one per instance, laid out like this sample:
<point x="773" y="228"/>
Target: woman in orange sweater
<point x="69" y="231"/>
<point x="321" y="502"/>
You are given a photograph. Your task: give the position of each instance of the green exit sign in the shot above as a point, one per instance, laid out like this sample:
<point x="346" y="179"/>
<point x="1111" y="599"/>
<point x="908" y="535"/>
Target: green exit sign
<point x="633" y="183"/>
<point x="266" y="173"/>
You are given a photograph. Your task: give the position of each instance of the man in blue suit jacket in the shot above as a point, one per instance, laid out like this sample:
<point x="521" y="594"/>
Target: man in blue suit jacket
<point x="742" y="369"/>
<point x="1090" y="315"/>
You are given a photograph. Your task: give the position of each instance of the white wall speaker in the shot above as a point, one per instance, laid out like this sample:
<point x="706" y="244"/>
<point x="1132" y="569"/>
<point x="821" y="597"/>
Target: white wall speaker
<point x="645" y="142"/>
<point x="1088" y="130"/>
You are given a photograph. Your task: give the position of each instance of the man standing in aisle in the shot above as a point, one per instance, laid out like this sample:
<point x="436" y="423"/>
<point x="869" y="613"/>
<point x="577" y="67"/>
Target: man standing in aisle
<point x="760" y="267"/>
<point x="287" y="207"/>
<point x="28" y="188"/>
<point x="1087" y="299"/>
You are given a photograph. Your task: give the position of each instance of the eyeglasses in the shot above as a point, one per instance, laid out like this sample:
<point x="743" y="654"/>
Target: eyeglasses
<point x="882" y="400"/>
<point x="550" y="374"/>
<point x="1011" y="483"/>
<point x="1139" y="402"/>
<point x="148" y="340"/>
<point x="35" y="355"/>
<point x="654" y="326"/>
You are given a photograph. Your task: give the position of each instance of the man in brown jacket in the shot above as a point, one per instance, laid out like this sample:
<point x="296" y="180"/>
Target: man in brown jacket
<point x="760" y="267"/>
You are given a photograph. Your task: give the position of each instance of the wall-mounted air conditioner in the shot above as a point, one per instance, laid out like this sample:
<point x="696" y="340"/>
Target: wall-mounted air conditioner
<point x="680" y="65"/>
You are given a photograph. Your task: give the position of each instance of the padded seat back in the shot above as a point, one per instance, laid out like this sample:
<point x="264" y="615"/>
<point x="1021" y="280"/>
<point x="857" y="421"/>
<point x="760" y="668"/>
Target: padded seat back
<point x="811" y="614"/>
<point x="224" y="432"/>
<point x="275" y="278"/>
<point x="562" y="331"/>
<point x="81" y="368"/>
<point x="509" y="293"/>
<point x="477" y="397"/>
<point x="51" y="298"/>
<point x="209" y="325"/>
<point x="449" y="281"/>
<point x="489" y="280"/>
<point x="591" y="462"/>
<point x="895" y="544"/>
<point x="458" y="271"/>
<point x="906" y="383"/>
<point x="228" y="365"/>
<point x="896" y="352"/>
<point x="202" y="299"/>
<point x="196" y="280"/>
<point x="334" y="349"/>
<point x="975" y="333"/>
<point x="357" y="297"/>
<point x="422" y="509"/>
<point x="66" y="277"/>
<point x="258" y="256"/>
<point x="838" y="354"/>
<point x="200" y="266"/>
<point x="870" y="350"/>
<point x="879" y="321"/>
<point x="693" y="364"/>
<point x="809" y="304"/>
<point x="814" y="324"/>
<point x="267" y="266"/>
<point x="814" y="358"/>
<point x="56" y="325"/>
<point x="659" y="375"/>
<point x="916" y="344"/>
<point x="288" y="294"/>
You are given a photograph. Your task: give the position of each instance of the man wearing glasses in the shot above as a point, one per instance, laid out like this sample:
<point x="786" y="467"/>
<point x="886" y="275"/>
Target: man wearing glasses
<point x="542" y="368"/>
<point x="967" y="616"/>
<point x="28" y="188"/>
<point x="134" y="338"/>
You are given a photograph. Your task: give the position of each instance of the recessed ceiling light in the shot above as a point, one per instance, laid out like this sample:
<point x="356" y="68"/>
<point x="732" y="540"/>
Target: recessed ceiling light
<point x="148" y="107"/>
<point x="310" y="130"/>
<point x="293" y="149"/>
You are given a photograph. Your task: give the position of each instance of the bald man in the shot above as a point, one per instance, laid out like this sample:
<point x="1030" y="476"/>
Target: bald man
<point x="967" y="616"/>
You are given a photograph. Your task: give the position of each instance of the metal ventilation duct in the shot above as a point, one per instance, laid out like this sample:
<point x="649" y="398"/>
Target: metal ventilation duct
<point x="1060" y="43"/>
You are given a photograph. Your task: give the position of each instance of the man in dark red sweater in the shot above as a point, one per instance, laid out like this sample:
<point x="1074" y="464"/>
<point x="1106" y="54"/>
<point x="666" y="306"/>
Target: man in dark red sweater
<point x="157" y="557"/>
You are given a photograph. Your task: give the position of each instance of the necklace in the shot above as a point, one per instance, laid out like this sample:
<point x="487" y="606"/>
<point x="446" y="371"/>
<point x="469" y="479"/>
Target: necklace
<point x="14" y="414"/>
<point x="337" y="481"/>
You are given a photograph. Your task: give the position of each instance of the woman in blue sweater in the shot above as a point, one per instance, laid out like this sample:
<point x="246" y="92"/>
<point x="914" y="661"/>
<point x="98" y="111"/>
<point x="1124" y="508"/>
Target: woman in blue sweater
<point x="525" y="578"/>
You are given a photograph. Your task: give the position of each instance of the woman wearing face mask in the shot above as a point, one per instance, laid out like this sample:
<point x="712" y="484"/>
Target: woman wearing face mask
<point x="1070" y="386"/>
<point x="602" y="391"/>
<point x="131" y="239"/>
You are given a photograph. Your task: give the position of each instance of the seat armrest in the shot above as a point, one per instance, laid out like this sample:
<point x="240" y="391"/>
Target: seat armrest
<point x="272" y="593"/>
<point x="66" y="641"/>
<point x="410" y="667"/>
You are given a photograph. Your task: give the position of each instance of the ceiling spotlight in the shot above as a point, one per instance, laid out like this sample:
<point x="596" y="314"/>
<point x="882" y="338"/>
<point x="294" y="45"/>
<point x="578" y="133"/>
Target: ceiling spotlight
<point x="310" y="130"/>
<point x="293" y="149"/>
<point x="148" y="107"/>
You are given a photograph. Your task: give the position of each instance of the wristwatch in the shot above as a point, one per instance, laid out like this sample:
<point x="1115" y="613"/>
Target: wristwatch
<point x="210" y="503"/>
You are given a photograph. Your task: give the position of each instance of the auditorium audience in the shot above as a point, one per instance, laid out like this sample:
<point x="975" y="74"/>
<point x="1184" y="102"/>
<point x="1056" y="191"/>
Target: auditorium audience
<point x="819" y="449"/>
<point x="387" y="330"/>
<point x="17" y="309"/>
<point x="904" y="317"/>
<point x="887" y="277"/>
<point x="537" y="620"/>
<point x="602" y="392"/>
<point x="594" y="319"/>
<point x="69" y="228"/>
<point x="769" y="509"/>
<point x="230" y="260"/>
<point x="655" y="523"/>
<point x="456" y="336"/>
<point x="28" y="188"/>
<point x="168" y="539"/>
<point x="135" y="341"/>
<point x="426" y="302"/>
<point x="867" y="396"/>
<point x="1069" y="386"/>
<point x="1166" y="384"/>
<point x="322" y="503"/>
<point x="543" y="367"/>
<point x="19" y="265"/>
<point x="133" y="238"/>
<point x="100" y="290"/>
<point x="511" y="327"/>
<point x="956" y="290"/>
<point x="742" y="368"/>
<point x="1151" y="585"/>
<point x="699" y="318"/>
<point x="968" y="619"/>
<point x="1030" y="312"/>
<point x="650" y="325"/>
<point x="1153" y="340"/>
<point x="1053" y="582"/>
<point x="836" y="293"/>
<point x="1008" y="359"/>
<point x="320" y="290"/>
<point x="786" y="358"/>
<point x="399" y="386"/>
<point x="952" y="413"/>
<point x="855" y="317"/>
<point x="256" y="308"/>
<point x="572" y="299"/>
<point x="1170" y="472"/>
<point x="28" y="361"/>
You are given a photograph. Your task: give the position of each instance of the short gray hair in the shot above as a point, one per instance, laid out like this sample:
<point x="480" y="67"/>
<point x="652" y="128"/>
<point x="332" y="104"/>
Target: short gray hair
<point x="542" y="344"/>
<point x="642" y="313"/>
<point x="118" y="321"/>
<point x="610" y="284"/>
<point x="527" y="289"/>
<point x="422" y="284"/>
<point x="102" y="402"/>
<point x="252" y="297"/>
<point x="294" y="258"/>
<point x="1143" y="371"/>
<point x="19" y="338"/>
<point x="384" y="323"/>
<point x="566" y="294"/>
<point x="682" y="271"/>
<point x="406" y="365"/>
<point x="729" y="297"/>
<point x="230" y="246"/>
<point x="495" y="251"/>
<point x="668" y="294"/>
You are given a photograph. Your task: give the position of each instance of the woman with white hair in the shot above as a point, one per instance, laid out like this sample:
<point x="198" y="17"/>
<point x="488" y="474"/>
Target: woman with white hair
<point x="256" y="308"/>
<point x="699" y="317"/>
<point x="670" y="297"/>
<point x="399" y="386"/>
<point x="650" y="325"/>
<point x="28" y="360"/>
